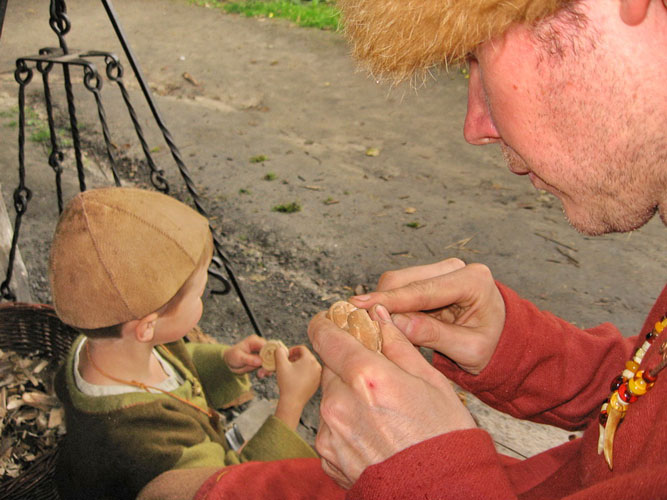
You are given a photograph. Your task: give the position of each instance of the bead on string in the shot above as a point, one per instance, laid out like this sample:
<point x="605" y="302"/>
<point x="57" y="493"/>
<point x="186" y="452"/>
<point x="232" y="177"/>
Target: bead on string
<point x="629" y="386"/>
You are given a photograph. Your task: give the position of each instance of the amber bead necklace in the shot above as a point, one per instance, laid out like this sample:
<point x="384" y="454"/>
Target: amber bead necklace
<point x="630" y="385"/>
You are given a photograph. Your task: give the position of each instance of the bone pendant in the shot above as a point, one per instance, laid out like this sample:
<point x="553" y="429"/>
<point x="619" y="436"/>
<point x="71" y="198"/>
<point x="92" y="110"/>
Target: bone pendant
<point x="614" y="417"/>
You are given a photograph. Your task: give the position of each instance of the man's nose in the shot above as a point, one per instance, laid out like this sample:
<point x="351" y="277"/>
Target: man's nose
<point x="478" y="128"/>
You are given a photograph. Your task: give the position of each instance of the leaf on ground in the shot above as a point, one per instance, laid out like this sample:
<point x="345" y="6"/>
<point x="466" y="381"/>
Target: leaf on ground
<point x="188" y="77"/>
<point x="461" y="243"/>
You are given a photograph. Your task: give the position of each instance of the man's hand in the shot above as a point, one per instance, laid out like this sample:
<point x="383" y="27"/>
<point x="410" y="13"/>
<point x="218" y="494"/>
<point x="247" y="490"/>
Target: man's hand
<point x="452" y="308"/>
<point x="374" y="406"/>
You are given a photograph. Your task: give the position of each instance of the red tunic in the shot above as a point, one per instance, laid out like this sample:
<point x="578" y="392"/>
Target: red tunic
<point x="545" y="370"/>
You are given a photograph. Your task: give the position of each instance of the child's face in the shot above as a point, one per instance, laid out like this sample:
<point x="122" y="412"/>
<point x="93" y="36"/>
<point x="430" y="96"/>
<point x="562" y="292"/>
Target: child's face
<point x="185" y="311"/>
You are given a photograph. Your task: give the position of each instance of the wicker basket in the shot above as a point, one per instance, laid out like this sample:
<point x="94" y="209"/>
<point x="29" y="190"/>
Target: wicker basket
<point x="28" y="328"/>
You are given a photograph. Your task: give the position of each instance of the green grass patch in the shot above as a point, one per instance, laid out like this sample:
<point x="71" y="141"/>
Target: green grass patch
<point x="270" y="177"/>
<point x="258" y="159"/>
<point x="321" y="14"/>
<point x="40" y="135"/>
<point x="36" y="128"/>
<point x="288" y="208"/>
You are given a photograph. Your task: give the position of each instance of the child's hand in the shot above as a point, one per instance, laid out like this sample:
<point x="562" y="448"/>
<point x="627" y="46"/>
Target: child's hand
<point x="298" y="374"/>
<point x="243" y="357"/>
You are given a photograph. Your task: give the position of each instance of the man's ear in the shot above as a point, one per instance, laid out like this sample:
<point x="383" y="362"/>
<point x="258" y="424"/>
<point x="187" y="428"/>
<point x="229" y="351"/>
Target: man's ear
<point x="633" y="12"/>
<point x="144" y="330"/>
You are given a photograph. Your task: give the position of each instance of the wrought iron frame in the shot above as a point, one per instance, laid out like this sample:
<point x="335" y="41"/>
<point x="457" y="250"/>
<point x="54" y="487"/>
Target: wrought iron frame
<point x="3" y="9"/>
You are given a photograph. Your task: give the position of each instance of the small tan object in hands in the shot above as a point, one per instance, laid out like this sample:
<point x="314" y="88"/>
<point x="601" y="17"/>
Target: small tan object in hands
<point x="268" y="354"/>
<point x="357" y="323"/>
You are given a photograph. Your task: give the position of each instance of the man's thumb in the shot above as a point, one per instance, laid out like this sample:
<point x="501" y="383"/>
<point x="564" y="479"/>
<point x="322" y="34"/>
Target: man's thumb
<point x="397" y="348"/>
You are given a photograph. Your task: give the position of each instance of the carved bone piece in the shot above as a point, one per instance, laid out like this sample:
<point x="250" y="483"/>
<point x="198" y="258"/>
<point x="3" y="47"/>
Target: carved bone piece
<point x="357" y="323"/>
<point x="364" y="329"/>
<point x="268" y="354"/>
<point x="338" y="313"/>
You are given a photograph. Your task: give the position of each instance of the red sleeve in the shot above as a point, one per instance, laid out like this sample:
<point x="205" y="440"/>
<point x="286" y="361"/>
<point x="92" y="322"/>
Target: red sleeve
<point x="460" y="464"/>
<point x="544" y="368"/>
<point x="291" y="479"/>
<point x="464" y="465"/>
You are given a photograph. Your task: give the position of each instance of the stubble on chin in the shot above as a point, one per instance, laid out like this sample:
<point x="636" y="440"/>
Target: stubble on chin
<point x="597" y="212"/>
<point x="584" y="225"/>
<point x="513" y="161"/>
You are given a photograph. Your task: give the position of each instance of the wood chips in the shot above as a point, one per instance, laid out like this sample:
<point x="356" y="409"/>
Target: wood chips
<point x="31" y="417"/>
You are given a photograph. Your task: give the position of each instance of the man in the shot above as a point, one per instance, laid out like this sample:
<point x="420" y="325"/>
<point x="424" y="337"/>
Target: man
<point x="575" y="94"/>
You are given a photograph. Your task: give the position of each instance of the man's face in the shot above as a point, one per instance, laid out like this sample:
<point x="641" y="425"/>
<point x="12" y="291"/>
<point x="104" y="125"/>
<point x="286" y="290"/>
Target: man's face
<point x="575" y="110"/>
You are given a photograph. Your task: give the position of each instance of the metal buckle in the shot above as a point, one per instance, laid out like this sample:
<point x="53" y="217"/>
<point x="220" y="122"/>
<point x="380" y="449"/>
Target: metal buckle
<point x="234" y="438"/>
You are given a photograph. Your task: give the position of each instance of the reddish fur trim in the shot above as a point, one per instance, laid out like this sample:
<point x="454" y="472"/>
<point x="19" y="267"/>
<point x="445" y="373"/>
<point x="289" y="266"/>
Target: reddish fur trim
<point x="401" y="37"/>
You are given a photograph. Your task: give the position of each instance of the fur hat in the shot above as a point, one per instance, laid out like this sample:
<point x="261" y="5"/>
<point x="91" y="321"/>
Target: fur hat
<point x="119" y="254"/>
<point x="401" y="37"/>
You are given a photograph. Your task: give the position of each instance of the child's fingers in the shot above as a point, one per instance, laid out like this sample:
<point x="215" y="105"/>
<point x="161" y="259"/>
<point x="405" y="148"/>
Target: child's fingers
<point x="282" y="357"/>
<point x="254" y="342"/>
<point x="240" y="361"/>
<point x="296" y="352"/>
<point x="244" y="358"/>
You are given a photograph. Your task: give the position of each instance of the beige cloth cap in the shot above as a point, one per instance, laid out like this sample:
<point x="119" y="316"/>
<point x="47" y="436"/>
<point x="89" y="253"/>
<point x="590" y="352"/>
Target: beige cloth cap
<point x="404" y="37"/>
<point x="119" y="254"/>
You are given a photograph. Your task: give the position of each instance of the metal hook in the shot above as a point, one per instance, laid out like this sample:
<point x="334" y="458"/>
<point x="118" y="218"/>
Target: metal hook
<point x="214" y="273"/>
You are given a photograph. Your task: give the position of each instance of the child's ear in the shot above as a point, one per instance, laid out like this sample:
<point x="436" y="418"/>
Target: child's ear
<point x="633" y="12"/>
<point x="144" y="330"/>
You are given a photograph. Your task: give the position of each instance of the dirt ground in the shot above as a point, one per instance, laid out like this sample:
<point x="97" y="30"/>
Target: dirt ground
<point x="267" y="114"/>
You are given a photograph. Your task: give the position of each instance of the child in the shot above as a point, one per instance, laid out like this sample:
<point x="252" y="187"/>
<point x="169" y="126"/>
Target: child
<point x="128" y="268"/>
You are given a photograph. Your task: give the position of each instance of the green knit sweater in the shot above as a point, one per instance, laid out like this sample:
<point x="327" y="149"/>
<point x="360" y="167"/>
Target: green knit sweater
<point x="116" y="444"/>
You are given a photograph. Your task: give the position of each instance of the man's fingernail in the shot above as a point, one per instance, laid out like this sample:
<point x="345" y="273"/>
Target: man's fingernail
<point x="382" y="313"/>
<point x="403" y="323"/>
<point x="362" y="298"/>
